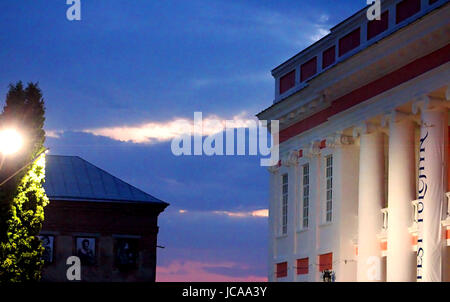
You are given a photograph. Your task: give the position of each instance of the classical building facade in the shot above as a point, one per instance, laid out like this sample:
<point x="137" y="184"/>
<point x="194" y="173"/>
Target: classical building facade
<point x="110" y="225"/>
<point x="362" y="185"/>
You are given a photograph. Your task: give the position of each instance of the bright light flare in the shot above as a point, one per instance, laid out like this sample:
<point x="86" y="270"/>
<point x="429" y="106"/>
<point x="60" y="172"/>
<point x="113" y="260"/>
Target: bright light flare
<point x="10" y="141"/>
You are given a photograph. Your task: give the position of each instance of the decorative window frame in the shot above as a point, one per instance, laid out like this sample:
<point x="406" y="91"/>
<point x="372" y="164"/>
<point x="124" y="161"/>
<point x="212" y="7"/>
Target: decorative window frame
<point x="300" y="196"/>
<point x="325" y="153"/>
<point x="280" y="232"/>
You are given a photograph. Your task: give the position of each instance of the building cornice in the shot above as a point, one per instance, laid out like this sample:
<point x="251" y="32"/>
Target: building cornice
<point x="399" y="96"/>
<point x="374" y="62"/>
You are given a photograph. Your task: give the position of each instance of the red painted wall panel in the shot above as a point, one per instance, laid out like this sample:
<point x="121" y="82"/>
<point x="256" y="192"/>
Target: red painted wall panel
<point x="302" y="266"/>
<point x="376" y="27"/>
<point x="282" y="270"/>
<point x="308" y="69"/>
<point x="329" y="57"/>
<point x="325" y="262"/>
<point x="308" y="123"/>
<point x="406" y="9"/>
<point x="350" y="41"/>
<point x="287" y="81"/>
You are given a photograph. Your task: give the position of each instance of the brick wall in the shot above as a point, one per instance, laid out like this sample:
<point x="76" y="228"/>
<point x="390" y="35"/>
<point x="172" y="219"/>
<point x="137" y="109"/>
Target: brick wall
<point x="107" y="223"/>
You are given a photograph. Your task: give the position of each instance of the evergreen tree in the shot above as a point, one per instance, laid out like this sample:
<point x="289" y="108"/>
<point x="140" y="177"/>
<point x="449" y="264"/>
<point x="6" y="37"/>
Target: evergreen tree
<point x="22" y="198"/>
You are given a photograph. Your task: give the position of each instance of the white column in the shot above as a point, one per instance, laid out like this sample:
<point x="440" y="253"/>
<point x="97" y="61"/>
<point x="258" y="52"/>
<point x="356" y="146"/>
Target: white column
<point x="370" y="203"/>
<point x="401" y="191"/>
<point x="431" y="189"/>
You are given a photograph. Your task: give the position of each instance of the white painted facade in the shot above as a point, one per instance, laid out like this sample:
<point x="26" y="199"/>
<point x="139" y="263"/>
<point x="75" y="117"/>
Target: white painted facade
<point x="374" y="142"/>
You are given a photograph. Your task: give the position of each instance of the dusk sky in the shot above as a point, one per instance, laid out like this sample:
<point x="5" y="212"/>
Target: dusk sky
<point x="119" y="83"/>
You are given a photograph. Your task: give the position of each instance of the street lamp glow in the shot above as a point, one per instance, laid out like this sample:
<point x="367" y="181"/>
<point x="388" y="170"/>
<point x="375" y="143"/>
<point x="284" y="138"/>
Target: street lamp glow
<point x="10" y="141"/>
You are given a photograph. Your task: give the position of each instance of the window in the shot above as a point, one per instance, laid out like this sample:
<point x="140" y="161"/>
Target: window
<point x="406" y="9"/>
<point x="47" y="244"/>
<point x="308" y="69"/>
<point x="302" y="266"/>
<point x="328" y="57"/>
<point x="325" y="262"/>
<point x="86" y="250"/>
<point x="305" y="216"/>
<point x="126" y="253"/>
<point x="329" y="188"/>
<point x="287" y="81"/>
<point x="281" y="270"/>
<point x="349" y="42"/>
<point x="284" y="205"/>
<point x="376" y="27"/>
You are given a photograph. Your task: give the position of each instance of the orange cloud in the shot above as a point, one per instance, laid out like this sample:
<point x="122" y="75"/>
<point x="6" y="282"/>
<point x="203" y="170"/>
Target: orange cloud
<point x="165" y="131"/>
<point x="262" y="213"/>
<point x="257" y="213"/>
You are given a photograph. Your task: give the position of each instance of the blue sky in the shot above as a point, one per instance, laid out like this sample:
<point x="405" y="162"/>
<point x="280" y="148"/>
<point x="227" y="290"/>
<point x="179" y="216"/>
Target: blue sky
<point x="130" y="67"/>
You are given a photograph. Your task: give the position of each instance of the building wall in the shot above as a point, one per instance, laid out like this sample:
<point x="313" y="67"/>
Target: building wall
<point x="107" y="223"/>
<point x="320" y="237"/>
<point x="366" y="92"/>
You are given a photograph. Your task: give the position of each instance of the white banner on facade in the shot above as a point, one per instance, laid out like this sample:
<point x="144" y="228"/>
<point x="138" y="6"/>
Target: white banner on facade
<point x="430" y="196"/>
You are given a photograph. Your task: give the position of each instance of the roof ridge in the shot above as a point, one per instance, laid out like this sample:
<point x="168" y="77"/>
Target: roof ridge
<point x="117" y="181"/>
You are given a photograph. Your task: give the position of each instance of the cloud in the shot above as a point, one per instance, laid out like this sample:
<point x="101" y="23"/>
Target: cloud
<point x="252" y="78"/>
<point x="228" y="20"/>
<point x="153" y="132"/>
<point x="324" y="18"/>
<point x="258" y="213"/>
<point x="54" y="133"/>
<point x="294" y="31"/>
<point x="195" y="271"/>
<point x="319" y="34"/>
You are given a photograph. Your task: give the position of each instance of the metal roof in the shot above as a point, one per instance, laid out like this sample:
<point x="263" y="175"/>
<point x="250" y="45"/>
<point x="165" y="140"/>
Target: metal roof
<point x="73" y="178"/>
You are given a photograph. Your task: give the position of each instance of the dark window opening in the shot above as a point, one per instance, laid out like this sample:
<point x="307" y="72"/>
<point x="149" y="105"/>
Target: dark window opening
<point x="308" y="69"/>
<point x="376" y="27"/>
<point x="287" y="81"/>
<point x="406" y="9"/>
<point x="329" y="57"/>
<point x="349" y="42"/>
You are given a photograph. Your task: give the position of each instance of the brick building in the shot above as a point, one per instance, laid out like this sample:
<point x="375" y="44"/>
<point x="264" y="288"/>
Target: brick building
<point x="109" y="224"/>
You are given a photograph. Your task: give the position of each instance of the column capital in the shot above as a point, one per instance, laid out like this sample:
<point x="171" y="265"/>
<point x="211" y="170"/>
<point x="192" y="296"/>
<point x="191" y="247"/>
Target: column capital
<point x="313" y="149"/>
<point x="338" y="139"/>
<point x="396" y="116"/>
<point x="365" y="128"/>
<point x="290" y="159"/>
<point x="273" y="169"/>
<point x="428" y="103"/>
